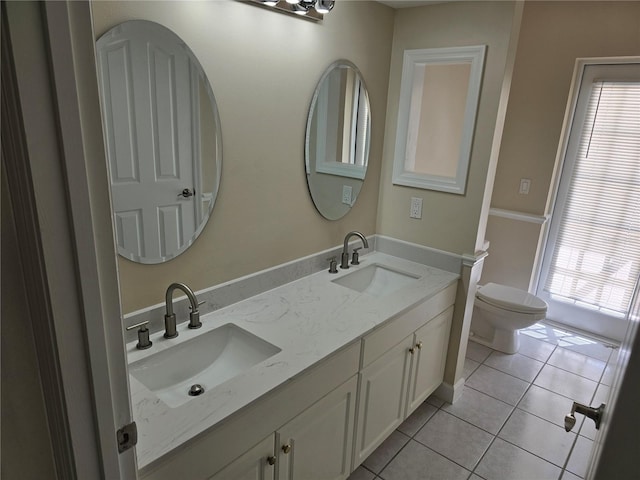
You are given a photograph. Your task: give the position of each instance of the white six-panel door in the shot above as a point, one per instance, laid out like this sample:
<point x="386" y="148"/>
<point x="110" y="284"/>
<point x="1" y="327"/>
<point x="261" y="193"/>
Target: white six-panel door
<point x="148" y="92"/>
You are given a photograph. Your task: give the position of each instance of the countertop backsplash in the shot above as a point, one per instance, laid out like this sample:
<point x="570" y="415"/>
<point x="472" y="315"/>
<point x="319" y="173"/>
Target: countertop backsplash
<point x="234" y="291"/>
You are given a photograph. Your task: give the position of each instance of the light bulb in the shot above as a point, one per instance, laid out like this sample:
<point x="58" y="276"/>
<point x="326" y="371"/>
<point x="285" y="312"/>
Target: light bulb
<point x="303" y="7"/>
<point x="324" y="6"/>
<point x="300" y="9"/>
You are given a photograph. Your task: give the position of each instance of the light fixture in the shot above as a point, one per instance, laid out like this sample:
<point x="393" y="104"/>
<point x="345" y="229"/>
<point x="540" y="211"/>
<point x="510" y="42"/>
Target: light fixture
<point x="303" y="6"/>
<point x="324" y="6"/>
<point x="311" y="9"/>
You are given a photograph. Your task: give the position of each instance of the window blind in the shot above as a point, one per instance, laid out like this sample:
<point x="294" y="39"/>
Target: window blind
<point x="596" y="260"/>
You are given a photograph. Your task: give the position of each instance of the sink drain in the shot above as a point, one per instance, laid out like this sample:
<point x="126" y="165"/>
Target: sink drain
<point x="196" y="390"/>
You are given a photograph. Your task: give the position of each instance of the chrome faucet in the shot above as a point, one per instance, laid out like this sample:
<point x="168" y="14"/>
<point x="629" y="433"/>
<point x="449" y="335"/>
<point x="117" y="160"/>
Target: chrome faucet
<point x="345" y="250"/>
<point x="170" y="317"/>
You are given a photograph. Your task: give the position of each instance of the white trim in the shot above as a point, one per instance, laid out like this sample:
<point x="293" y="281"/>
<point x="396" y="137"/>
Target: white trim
<point x="601" y="324"/>
<point x="57" y="92"/>
<point x="73" y="67"/>
<point x="519" y="216"/>
<point x="408" y="113"/>
<point x="567" y="124"/>
<point x="39" y="311"/>
<point x="471" y="260"/>
<point x="450" y="393"/>
<point x="348" y="170"/>
<point x="52" y="278"/>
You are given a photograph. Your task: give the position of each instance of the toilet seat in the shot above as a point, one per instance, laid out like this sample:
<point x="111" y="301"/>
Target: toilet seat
<point x="511" y="299"/>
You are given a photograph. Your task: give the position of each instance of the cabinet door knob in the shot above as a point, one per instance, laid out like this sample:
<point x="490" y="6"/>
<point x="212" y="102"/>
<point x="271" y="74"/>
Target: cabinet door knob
<point x="271" y="460"/>
<point x="419" y="345"/>
<point x="286" y="448"/>
<point x="412" y="350"/>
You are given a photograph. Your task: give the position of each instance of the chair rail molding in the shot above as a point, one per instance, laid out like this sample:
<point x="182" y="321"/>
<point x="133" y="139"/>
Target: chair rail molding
<point x="519" y="216"/>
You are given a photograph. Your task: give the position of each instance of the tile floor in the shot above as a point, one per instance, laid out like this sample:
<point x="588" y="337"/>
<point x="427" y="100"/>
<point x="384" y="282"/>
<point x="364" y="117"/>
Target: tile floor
<point x="508" y="423"/>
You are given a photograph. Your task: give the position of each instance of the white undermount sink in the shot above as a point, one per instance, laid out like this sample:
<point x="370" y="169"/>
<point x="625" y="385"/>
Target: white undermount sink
<point x="376" y="280"/>
<point x="206" y="360"/>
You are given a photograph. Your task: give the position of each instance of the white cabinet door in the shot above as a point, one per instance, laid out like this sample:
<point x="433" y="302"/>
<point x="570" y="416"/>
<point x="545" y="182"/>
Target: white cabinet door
<point x="256" y="464"/>
<point x="383" y="387"/>
<point x="428" y="359"/>
<point x="318" y="443"/>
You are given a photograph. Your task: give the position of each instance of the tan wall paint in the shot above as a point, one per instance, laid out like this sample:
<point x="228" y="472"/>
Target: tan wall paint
<point x="449" y="222"/>
<point x="553" y="35"/>
<point x="263" y="68"/>
<point x="441" y="118"/>
<point x="515" y="245"/>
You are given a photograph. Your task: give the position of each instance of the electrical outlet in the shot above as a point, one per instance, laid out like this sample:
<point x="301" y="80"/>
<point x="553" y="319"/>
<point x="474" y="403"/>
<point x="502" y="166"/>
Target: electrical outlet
<point x="525" y="185"/>
<point x="347" y="191"/>
<point x="416" y="208"/>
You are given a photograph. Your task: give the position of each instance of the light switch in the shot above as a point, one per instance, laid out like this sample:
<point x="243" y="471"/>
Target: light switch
<point x="525" y="184"/>
<point x="347" y="191"/>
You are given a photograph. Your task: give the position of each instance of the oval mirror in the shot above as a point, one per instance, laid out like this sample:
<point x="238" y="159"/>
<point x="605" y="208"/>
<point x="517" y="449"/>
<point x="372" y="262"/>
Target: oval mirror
<point x="337" y="140"/>
<point x="163" y="140"/>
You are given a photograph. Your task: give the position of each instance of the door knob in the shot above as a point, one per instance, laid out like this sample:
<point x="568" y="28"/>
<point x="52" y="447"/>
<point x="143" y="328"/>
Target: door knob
<point x="271" y="460"/>
<point x="286" y="448"/>
<point x="594" y="414"/>
<point x="186" y="193"/>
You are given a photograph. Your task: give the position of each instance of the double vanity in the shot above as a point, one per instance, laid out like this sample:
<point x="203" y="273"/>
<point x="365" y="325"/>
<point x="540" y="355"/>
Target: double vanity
<point x="301" y="381"/>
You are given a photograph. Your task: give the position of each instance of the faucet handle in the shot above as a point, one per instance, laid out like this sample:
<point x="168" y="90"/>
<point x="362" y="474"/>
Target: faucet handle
<point x="355" y="258"/>
<point x="143" y="335"/>
<point x="194" y="317"/>
<point x="333" y="264"/>
<point x="199" y="304"/>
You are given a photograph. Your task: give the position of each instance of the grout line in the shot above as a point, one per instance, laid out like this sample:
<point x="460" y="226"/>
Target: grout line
<point x="491" y="396"/>
<point x="563" y="469"/>
<point x="511" y="374"/>
<point x="429" y="448"/>
<point x="395" y="454"/>
<point x="516" y="408"/>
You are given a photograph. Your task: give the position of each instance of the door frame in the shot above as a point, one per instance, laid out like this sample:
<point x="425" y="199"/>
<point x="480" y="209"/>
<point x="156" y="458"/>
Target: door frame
<point x="612" y="455"/>
<point x="572" y="112"/>
<point x="57" y="176"/>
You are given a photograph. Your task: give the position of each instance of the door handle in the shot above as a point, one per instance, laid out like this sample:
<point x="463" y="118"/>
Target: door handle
<point x="186" y="193"/>
<point x="594" y="414"/>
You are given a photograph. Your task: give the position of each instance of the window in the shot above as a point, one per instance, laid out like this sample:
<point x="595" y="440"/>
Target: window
<point x="592" y="257"/>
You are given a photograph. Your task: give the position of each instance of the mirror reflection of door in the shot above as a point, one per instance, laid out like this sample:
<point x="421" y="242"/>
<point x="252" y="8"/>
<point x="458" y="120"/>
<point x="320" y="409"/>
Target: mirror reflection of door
<point x="150" y="92"/>
<point x="340" y="124"/>
<point x="337" y="140"/>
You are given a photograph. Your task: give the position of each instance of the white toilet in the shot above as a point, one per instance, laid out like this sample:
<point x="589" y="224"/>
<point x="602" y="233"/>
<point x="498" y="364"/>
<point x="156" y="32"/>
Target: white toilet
<point x="499" y="312"/>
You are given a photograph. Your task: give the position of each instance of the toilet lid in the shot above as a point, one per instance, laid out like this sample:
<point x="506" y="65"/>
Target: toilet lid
<point x="510" y="298"/>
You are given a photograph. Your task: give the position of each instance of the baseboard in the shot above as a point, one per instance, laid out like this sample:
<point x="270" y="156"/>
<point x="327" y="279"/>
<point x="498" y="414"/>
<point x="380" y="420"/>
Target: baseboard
<point x="450" y="393"/>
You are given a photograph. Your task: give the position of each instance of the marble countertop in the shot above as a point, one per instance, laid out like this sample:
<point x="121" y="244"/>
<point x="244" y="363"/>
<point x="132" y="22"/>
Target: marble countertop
<point x="308" y="319"/>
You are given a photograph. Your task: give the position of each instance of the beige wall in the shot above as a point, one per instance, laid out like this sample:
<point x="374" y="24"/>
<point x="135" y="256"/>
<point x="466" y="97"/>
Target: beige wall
<point x="263" y="68"/>
<point x="449" y="222"/>
<point x="553" y="35"/>
<point x="441" y="119"/>
<point x="512" y="251"/>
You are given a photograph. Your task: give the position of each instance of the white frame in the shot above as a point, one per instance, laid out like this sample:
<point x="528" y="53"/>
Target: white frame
<point x="350" y="170"/>
<point x="559" y="311"/>
<point x="408" y="111"/>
